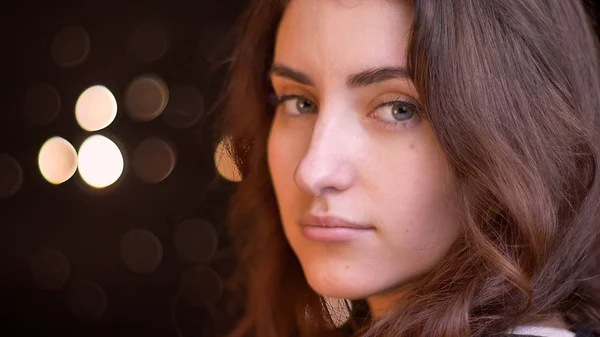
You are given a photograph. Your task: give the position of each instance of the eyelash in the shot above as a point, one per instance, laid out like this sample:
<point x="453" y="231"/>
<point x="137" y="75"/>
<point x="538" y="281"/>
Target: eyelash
<point x="278" y="100"/>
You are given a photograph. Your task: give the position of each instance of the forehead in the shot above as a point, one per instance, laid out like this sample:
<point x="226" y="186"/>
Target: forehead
<point x="332" y="38"/>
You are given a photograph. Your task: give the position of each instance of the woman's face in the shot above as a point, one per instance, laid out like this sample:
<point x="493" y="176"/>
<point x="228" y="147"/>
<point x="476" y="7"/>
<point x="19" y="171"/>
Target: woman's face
<point x="346" y="143"/>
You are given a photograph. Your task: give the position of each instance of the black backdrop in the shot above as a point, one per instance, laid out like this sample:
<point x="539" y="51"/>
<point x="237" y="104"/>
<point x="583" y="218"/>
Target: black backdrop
<point x="62" y="270"/>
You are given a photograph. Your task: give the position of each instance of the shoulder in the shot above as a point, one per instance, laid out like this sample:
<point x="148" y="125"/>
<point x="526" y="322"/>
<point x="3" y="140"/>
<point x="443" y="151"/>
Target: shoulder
<point x="542" y="331"/>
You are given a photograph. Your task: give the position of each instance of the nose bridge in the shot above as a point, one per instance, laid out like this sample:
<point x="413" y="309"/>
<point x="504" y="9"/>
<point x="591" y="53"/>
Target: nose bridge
<point x="327" y="163"/>
<point x="327" y="135"/>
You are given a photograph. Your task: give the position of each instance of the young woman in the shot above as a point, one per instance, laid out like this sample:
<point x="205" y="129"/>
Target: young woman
<point x="436" y="162"/>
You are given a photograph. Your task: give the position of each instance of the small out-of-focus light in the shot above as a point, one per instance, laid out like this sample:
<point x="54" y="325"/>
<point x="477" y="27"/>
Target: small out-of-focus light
<point x="87" y="300"/>
<point x="149" y="41"/>
<point x="339" y="310"/>
<point x="225" y="164"/>
<point x="42" y="104"/>
<point x="141" y="251"/>
<point x="146" y="98"/>
<point x="200" y="284"/>
<point x="50" y="269"/>
<point x="96" y="108"/>
<point x="100" y="161"/>
<point x="71" y="46"/>
<point x="11" y="176"/>
<point x="195" y="240"/>
<point x="154" y="160"/>
<point x="57" y="160"/>
<point x="185" y="107"/>
<point x="215" y="42"/>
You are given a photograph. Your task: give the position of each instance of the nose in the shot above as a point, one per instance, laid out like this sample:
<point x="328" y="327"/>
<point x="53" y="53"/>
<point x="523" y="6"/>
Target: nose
<point x="327" y="164"/>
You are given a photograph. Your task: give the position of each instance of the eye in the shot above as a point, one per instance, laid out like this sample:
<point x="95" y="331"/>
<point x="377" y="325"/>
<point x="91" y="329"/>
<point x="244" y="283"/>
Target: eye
<point x="396" y="113"/>
<point x="295" y="104"/>
<point x="304" y="105"/>
<point x="401" y="110"/>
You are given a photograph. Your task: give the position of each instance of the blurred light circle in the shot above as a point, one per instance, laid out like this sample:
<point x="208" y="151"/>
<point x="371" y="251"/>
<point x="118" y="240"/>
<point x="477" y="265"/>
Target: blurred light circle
<point x="42" y="104"/>
<point x="141" y="251"/>
<point x="146" y="98"/>
<point x="87" y="300"/>
<point x="57" y="160"/>
<point x="71" y="46"/>
<point x="225" y="164"/>
<point x="11" y="176"/>
<point x="154" y="160"/>
<point x="149" y="41"/>
<point x="100" y="161"/>
<point x="185" y="107"/>
<point x="215" y="42"/>
<point x="195" y="240"/>
<point x="339" y="310"/>
<point x="96" y="108"/>
<point x="50" y="269"/>
<point x="200" y="285"/>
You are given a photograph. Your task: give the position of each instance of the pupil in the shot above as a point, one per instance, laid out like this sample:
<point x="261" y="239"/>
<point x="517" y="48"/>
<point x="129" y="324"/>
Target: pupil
<point x="303" y="106"/>
<point x="402" y="112"/>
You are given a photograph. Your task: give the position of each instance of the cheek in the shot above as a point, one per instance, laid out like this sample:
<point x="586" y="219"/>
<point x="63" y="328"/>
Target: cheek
<point x="287" y="144"/>
<point x="435" y="224"/>
<point x="422" y="213"/>
<point x="275" y="158"/>
<point x="283" y="157"/>
<point x="282" y="160"/>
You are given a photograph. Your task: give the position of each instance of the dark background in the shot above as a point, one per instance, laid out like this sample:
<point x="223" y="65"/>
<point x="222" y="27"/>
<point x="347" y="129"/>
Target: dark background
<point x="44" y="228"/>
<point x="43" y="223"/>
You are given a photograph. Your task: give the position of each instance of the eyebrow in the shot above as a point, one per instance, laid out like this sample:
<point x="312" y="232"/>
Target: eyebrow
<point x="361" y="79"/>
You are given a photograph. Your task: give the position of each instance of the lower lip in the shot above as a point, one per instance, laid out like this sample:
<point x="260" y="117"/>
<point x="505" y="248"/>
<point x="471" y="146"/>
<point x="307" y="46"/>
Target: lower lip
<point x="334" y="234"/>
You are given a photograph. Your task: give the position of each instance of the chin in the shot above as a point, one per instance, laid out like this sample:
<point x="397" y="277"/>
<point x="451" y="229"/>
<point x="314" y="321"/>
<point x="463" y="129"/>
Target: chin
<point x="340" y="285"/>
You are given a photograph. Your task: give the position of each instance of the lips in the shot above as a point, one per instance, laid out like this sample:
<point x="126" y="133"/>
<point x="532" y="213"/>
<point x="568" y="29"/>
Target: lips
<point x="329" y="221"/>
<point x="331" y="229"/>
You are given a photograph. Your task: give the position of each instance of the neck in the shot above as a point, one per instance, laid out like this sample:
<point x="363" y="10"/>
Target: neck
<point x="379" y="305"/>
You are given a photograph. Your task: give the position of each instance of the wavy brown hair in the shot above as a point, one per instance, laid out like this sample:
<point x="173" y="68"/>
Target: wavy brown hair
<point x="511" y="89"/>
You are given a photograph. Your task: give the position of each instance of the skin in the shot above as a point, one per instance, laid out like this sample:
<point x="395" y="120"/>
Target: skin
<point x="345" y="150"/>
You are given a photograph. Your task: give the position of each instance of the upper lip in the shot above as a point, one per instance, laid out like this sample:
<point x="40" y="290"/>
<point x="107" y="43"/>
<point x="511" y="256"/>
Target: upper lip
<point x="330" y="221"/>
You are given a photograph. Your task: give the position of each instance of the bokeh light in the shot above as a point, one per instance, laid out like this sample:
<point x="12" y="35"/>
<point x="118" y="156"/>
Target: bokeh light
<point x="57" y="160"/>
<point x="11" y="176"/>
<point x="141" y="251"/>
<point x="195" y="240"/>
<point x="42" y="104"/>
<point x="71" y="46"/>
<point x="96" y="108"/>
<point x="50" y="269"/>
<point x="185" y="107"/>
<point x="225" y="164"/>
<point x="87" y="300"/>
<point x="154" y="160"/>
<point x="149" y="41"/>
<point x="100" y="161"/>
<point x="215" y="43"/>
<point x="146" y="98"/>
<point x="200" y="285"/>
